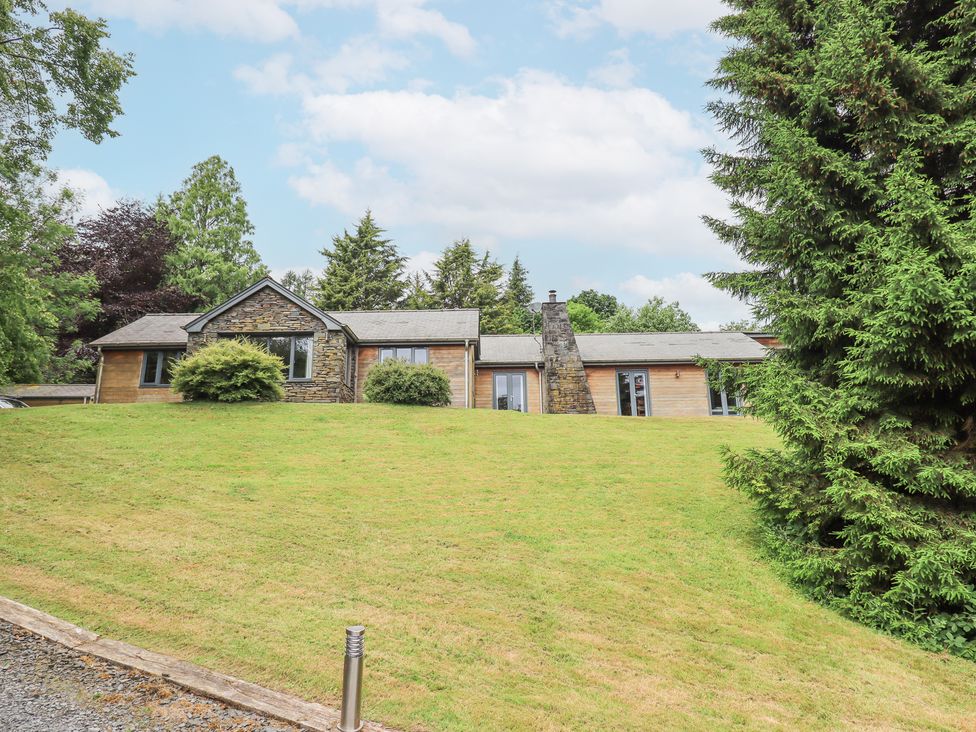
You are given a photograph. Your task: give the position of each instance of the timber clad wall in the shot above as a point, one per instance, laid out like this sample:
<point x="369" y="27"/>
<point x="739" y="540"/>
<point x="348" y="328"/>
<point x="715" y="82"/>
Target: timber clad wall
<point x="483" y="387"/>
<point x="121" y="373"/>
<point x="449" y="359"/>
<point x="268" y="312"/>
<point x="683" y="396"/>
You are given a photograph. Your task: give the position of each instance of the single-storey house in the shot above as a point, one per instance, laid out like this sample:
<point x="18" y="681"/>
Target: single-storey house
<point x="327" y="356"/>
<point x="49" y="395"/>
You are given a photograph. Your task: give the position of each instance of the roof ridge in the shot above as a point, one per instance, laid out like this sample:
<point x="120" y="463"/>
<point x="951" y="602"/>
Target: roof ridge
<point x="411" y="310"/>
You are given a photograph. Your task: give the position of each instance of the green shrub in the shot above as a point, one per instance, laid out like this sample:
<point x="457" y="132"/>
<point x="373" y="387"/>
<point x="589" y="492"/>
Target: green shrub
<point x="230" y="370"/>
<point x="398" y="382"/>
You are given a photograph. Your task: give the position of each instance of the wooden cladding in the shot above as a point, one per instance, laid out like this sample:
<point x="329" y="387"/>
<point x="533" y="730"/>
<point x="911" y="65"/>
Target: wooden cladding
<point x="449" y="359"/>
<point x="121" y="372"/>
<point x="483" y="389"/>
<point x="676" y="391"/>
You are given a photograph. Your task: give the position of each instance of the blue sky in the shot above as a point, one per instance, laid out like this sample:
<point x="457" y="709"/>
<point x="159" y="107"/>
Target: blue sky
<point x="564" y="131"/>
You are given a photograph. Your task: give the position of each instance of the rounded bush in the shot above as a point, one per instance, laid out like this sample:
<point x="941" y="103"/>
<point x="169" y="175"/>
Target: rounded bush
<point x="229" y="370"/>
<point x="398" y="382"/>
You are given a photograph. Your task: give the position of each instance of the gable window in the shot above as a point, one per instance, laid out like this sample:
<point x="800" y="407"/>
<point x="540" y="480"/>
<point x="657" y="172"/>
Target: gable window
<point x="723" y="404"/>
<point x="294" y="350"/>
<point x="157" y="367"/>
<point x="409" y="354"/>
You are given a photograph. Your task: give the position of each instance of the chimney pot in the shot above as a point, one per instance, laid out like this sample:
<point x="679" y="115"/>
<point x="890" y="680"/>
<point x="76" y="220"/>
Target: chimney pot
<point x="552" y="296"/>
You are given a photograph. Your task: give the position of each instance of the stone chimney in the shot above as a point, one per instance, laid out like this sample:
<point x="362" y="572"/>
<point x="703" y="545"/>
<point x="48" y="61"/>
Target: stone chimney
<point x="567" y="389"/>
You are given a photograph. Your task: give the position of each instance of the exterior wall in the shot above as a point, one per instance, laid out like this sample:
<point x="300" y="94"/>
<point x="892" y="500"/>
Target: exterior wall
<point x="268" y="312"/>
<point x="768" y="341"/>
<point x="50" y="402"/>
<point x="121" y="371"/>
<point x="484" y="388"/>
<point x="683" y="396"/>
<point x="448" y="358"/>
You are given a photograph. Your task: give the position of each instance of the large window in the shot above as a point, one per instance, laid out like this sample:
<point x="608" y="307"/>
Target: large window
<point x="632" y="394"/>
<point x="723" y="404"/>
<point x="294" y="350"/>
<point x="509" y="391"/>
<point x="157" y="366"/>
<point x="410" y="354"/>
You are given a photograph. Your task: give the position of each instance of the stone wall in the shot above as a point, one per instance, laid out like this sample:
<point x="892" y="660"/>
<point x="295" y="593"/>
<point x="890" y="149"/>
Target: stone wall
<point x="267" y="312"/>
<point x="567" y="389"/>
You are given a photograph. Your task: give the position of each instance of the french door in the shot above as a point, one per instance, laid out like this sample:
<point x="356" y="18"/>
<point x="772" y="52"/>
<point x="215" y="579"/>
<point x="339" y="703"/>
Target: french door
<point x="633" y="396"/>
<point x="510" y="391"/>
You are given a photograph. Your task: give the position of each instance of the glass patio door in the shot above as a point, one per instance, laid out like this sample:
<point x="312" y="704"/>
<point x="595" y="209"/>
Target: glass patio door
<point x="510" y="391"/>
<point x="632" y="393"/>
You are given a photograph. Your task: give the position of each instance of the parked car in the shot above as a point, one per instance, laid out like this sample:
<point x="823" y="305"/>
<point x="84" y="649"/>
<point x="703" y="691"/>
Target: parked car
<point x="11" y="403"/>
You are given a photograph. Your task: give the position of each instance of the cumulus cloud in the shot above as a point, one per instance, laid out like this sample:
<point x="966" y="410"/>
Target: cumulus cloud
<point x="709" y="306"/>
<point x="618" y="72"/>
<point x="256" y="20"/>
<point x="421" y="262"/>
<point x="92" y="191"/>
<point x="659" y="18"/>
<point x="542" y="158"/>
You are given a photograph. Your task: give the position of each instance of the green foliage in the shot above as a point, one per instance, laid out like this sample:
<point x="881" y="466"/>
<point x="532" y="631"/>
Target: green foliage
<point x="397" y="382"/>
<point x="417" y="296"/>
<point x="55" y="73"/>
<point x="518" y="296"/>
<point x="215" y="257"/>
<point x="605" y="306"/>
<point x="364" y="272"/>
<point x="743" y="326"/>
<point x="853" y="204"/>
<point x="583" y="318"/>
<point x="655" y="316"/>
<point x="301" y="283"/>
<point x="463" y="279"/>
<point x="230" y="370"/>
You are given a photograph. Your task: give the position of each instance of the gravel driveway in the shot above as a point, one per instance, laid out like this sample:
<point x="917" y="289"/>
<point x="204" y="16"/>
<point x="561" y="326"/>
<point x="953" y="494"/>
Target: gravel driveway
<point x="46" y="687"/>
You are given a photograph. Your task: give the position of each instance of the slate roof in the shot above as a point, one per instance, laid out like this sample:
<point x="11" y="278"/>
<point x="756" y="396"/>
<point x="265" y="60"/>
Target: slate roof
<point x="614" y="348"/>
<point x="160" y="329"/>
<point x="49" y="391"/>
<point x="407" y="326"/>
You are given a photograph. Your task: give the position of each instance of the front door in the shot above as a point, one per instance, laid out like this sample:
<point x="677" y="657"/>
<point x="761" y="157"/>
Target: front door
<point x="632" y="393"/>
<point x="510" y="390"/>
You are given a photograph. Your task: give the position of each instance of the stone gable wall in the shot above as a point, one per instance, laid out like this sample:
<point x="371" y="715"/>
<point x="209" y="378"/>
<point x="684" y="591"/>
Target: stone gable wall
<point x="268" y="312"/>
<point x="567" y="388"/>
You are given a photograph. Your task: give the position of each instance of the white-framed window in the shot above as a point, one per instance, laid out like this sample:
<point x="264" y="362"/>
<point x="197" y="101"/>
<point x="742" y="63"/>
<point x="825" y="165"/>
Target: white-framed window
<point x="723" y="404"/>
<point x="410" y="354"/>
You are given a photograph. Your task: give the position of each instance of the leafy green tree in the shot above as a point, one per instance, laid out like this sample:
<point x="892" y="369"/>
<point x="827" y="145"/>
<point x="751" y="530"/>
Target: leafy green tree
<point x="215" y="257"/>
<point x="55" y="74"/>
<point x="853" y="203"/>
<point x="463" y="279"/>
<point x="654" y="316"/>
<point x="583" y="318"/>
<point x="301" y="283"/>
<point x="605" y="306"/>
<point x="742" y="326"/>
<point x="364" y="271"/>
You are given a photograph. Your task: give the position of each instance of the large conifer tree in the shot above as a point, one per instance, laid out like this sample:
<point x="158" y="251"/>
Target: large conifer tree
<point x="365" y="271"/>
<point x="854" y="202"/>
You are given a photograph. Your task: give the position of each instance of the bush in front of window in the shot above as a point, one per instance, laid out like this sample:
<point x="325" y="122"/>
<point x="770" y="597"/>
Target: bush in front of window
<point x="398" y="382"/>
<point x="230" y="370"/>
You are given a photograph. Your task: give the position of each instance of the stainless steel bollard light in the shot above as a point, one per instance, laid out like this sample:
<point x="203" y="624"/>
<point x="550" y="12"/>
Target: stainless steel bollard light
<point x="352" y="679"/>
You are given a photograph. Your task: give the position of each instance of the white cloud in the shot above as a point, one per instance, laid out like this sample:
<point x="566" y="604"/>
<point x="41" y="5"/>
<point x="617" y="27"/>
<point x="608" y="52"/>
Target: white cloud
<point x="421" y="262"/>
<point x="659" y="18"/>
<point x="617" y="73"/>
<point x="257" y="20"/>
<point x="542" y="159"/>
<point x="92" y="191"/>
<point x="709" y="306"/>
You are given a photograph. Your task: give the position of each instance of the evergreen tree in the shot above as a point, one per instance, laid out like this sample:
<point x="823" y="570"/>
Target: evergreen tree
<point x="518" y="297"/>
<point x="418" y="297"/>
<point x="215" y="257"/>
<point x="364" y="271"/>
<point x="853" y="192"/>
<point x="301" y="283"/>
<point x="462" y="279"/>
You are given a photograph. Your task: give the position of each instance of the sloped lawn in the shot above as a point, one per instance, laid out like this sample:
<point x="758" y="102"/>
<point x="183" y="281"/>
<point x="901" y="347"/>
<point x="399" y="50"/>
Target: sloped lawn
<point x="514" y="572"/>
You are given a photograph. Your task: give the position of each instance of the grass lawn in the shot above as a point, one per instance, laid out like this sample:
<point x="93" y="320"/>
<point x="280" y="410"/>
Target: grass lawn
<point x="515" y="572"/>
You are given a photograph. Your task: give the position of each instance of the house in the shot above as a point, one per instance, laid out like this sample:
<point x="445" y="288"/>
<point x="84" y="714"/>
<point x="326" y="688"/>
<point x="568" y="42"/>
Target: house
<point x="327" y="356"/>
<point x="48" y="395"/>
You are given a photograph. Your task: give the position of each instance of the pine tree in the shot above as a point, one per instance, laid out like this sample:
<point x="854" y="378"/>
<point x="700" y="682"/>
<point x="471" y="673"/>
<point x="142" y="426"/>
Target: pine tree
<point x="418" y="297"/>
<point x="518" y="296"/>
<point x="853" y="193"/>
<point x="364" y="271"/>
<point x="301" y="283"/>
<point x="462" y="279"/>
<point x="214" y="257"/>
